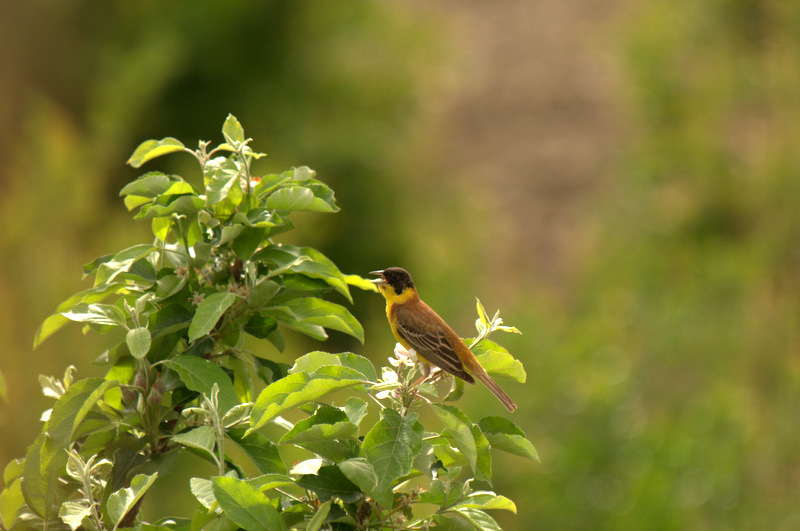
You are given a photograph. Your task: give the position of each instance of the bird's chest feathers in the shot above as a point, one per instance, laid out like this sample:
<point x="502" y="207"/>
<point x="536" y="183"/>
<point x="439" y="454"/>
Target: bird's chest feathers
<point x="393" y="300"/>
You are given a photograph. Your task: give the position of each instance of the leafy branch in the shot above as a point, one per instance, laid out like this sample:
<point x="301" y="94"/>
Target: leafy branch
<point x="179" y="378"/>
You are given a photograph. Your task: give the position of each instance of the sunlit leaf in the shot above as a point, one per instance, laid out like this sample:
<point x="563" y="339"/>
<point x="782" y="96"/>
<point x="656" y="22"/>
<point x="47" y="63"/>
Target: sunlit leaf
<point x="306" y="261"/>
<point x="460" y="428"/>
<point x="232" y="130"/>
<point x="121" y="263"/>
<point x="479" y="519"/>
<point x="209" y="312"/>
<point x="150" y="149"/>
<point x="290" y="392"/>
<point x="203" y="490"/>
<point x="327" y="433"/>
<point x="138" y="341"/>
<point x="185" y="205"/>
<point x="222" y="177"/>
<point x="102" y="314"/>
<point x="506" y="436"/>
<point x="201" y="438"/>
<point x="73" y="513"/>
<point x="246" y="506"/>
<point x="360" y="283"/>
<point x="486" y="500"/>
<point x="11" y="500"/>
<point x="121" y="501"/>
<point x="390" y="447"/>
<point x="313" y="361"/>
<point x="311" y="310"/>
<point x="483" y="461"/>
<point x="298" y="197"/>
<point x="498" y="362"/>
<point x="73" y="406"/>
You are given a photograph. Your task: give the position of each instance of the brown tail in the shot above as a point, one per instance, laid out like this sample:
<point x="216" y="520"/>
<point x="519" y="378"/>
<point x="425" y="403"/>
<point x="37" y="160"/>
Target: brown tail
<point x="490" y="384"/>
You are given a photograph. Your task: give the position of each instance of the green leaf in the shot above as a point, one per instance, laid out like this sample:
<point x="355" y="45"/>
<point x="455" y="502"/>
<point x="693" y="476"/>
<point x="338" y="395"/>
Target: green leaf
<point x="160" y="227"/>
<point x="319" y="517"/>
<point x="360" y="283"/>
<point x="222" y="177"/>
<point x="483" y="461"/>
<point x="306" y="261"/>
<point x="248" y="241"/>
<point x="506" y="436"/>
<point x="325" y="415"/>
<point x="54" y="322"/>
<point x="122" y="262"/>
<point x="170" y="318"/>
<point x="200" y="438"/>
<point x="232" y="130"/>
<point x="313" y="361"/>
<point x="200" y="375"/>
<point x="451" y="523"/>
<point x="479" y="519"/>
<point x="390" y="447"/>
<point x="290" y="392"/>
<point x="311" y="310"/>
<point x="246" y="506"/>
<point x="483" y="319"/>
<point x="101" y="314"/>
<point x="460" y="428"/>
<point x="260" y="326"/>
<point x="299" y="198"/>
<point x="185" y="205"/>
<point x="203" y="490"/>
<point x="73" y="406"/>
<point x="145" y="189"/>
<point x="355" y="409"/>
<point x="262" y="292"/>
<point x="498" y="362"/>
<point x="262" y="451"/>
<point x="327" y="433"/>
<point x="329" y="482"/>
<point x="138" y="341"/>
<point x="360" y="471"/>
<point x="14" y="470"/>
<point x="209" y="312"/>
<point x="442" y="492"/>
<point x="11" y="501"/>
<point x="73" y="513"/>
<point x="38" y="482"/>
<point x="270" y="481"/>
<point x="151" y="149"/>
<point x="121" y="501"/>
<point x="486" y="500"/>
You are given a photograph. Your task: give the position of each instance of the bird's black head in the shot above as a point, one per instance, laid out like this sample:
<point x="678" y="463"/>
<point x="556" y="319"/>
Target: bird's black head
<point x="396" y="277"/>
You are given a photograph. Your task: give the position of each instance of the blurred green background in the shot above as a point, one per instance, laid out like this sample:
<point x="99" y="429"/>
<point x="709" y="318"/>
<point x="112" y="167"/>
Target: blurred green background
<point x="622" y="180"/>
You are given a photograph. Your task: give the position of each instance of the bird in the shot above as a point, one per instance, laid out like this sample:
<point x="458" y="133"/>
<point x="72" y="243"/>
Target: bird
<point x="415" y="325"/>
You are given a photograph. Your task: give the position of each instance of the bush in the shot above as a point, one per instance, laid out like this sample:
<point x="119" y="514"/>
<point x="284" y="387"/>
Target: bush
<point x="181" y="380"/>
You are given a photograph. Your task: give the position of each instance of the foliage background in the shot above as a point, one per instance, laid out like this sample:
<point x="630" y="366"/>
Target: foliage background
<point x="620" y="179"/>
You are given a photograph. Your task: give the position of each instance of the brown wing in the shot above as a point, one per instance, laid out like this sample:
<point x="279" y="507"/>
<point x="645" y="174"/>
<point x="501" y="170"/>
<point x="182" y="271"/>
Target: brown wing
<point x="426" y="334"/>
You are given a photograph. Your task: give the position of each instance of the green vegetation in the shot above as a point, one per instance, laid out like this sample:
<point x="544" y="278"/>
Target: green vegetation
<point x="662" y="373"/>
<point x="181" y="381"/>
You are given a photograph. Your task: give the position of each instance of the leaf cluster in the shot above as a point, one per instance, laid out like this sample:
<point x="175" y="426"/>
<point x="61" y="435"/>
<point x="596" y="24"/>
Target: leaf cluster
<point x="179" y="379"/>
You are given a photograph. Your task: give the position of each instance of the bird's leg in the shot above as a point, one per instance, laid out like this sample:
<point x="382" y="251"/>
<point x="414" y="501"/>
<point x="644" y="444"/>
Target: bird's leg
<point x="428" y="372"/>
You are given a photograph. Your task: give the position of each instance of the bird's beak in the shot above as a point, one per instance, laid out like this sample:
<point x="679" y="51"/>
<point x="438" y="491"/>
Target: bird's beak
<point x="377" y="281"/>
